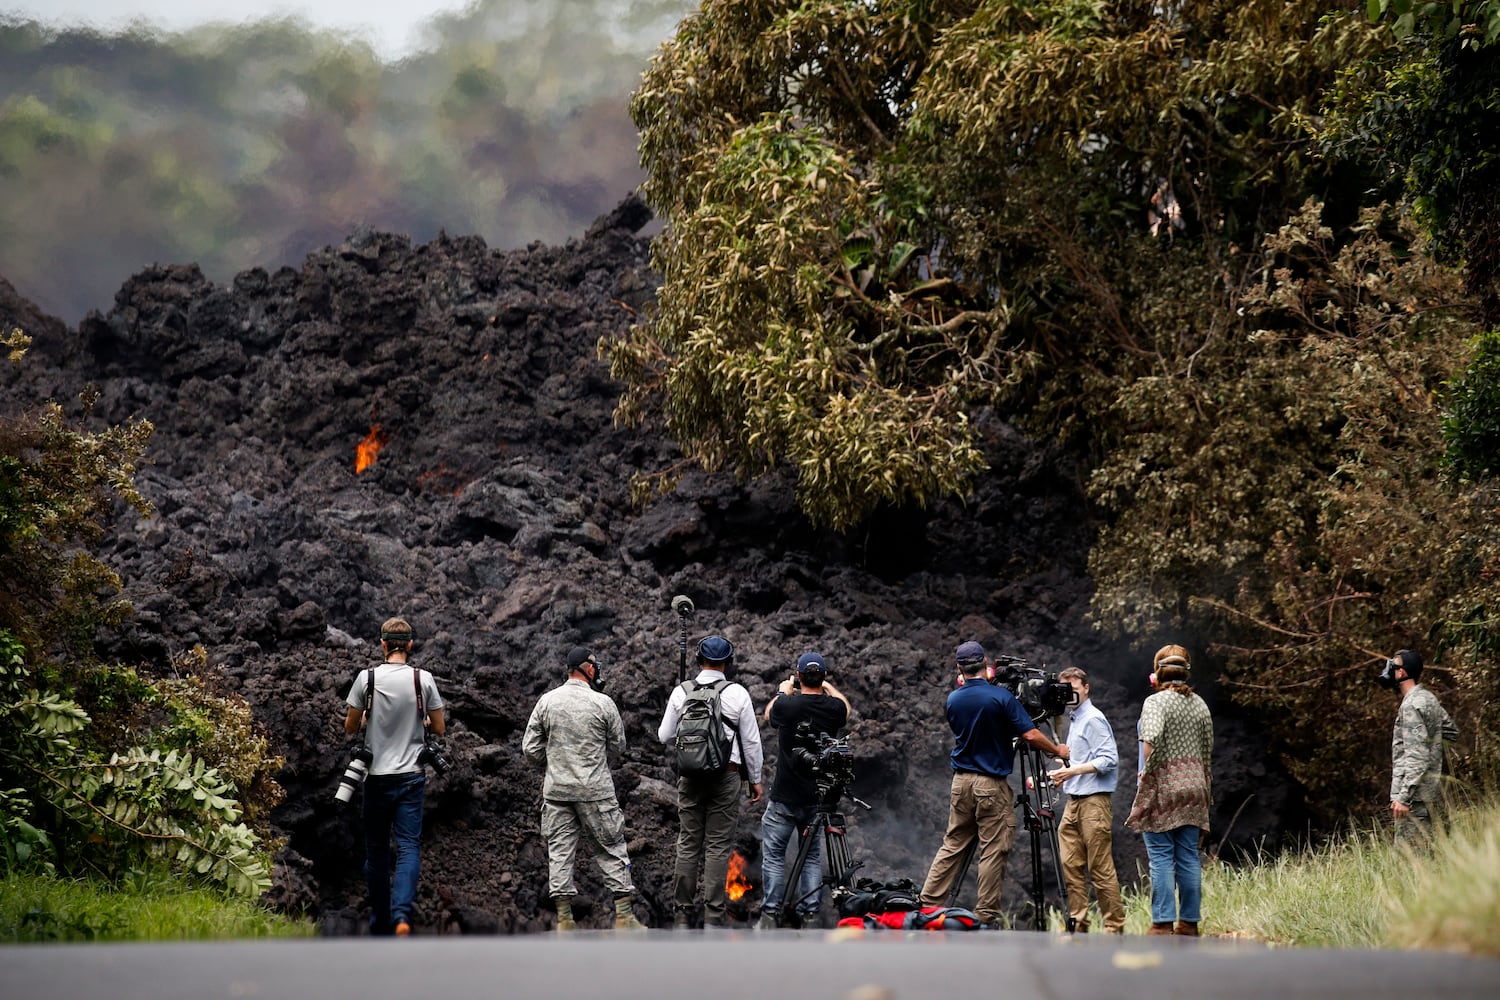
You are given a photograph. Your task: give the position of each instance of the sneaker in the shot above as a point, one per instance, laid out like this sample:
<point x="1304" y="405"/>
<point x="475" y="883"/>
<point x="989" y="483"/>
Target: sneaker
<point x="768" y="921"/>
<point x="403" y="929"/>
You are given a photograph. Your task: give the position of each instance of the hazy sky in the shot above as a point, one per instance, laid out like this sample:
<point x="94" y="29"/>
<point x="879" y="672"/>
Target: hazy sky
<point x="389" y="25"/>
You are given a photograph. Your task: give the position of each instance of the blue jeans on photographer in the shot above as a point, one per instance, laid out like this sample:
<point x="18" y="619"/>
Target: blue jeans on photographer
<point x="393" y="811"/>
<point x="776" y="828"/>
<point x="1176" y="874"/>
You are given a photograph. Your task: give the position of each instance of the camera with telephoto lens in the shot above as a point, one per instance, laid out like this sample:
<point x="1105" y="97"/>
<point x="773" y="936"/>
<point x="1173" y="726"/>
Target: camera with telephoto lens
<point x="433" y="756"/>
<point x="1038" y="690"/>
<point x="828" y="759"/>
<point x="354" y="774"/>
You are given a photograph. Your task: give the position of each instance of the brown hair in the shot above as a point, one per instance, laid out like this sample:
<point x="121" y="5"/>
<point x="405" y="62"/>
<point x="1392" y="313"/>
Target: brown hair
<point x="1072" y="672"/>
<point x="396" y="633"/>
<point x="1173" y="667"/>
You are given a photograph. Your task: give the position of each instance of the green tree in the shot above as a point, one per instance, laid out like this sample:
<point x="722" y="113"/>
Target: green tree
<point x="882" y="216"/>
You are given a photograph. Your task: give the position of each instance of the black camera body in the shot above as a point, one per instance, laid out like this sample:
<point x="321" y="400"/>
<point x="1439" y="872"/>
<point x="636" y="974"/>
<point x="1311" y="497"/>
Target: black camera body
<point x="432" y="755"/>
<point x="1039" y="691"/>
<point x="827" y="758"/>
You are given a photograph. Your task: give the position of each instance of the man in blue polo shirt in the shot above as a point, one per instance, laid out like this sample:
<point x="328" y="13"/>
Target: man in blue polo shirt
<point x="986" y="720"/>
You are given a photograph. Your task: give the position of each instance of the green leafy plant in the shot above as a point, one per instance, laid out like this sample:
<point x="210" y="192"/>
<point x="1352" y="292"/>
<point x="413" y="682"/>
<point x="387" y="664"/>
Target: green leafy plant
<point x="156" y="782"/>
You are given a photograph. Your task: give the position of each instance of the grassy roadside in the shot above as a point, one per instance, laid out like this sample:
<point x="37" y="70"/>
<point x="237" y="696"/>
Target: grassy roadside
<point x="1361" y="891"/>
<point x="36" y="907"/>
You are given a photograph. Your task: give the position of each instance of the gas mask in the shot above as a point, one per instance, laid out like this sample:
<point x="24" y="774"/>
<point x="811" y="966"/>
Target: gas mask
<point x="1387" y="678"/>
<point x="597" y="681"/>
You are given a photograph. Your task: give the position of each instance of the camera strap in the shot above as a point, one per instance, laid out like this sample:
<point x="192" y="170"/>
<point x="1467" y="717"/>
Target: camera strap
<point x="416" y="683"/>
<point x="364" y="736"/>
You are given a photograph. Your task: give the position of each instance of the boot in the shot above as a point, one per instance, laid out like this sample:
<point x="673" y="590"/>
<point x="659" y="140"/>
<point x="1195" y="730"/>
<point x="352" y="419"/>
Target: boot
<point x="1187" y="929"/>
<point x="564" y="906"/>
<point x="1165" y="928"/>
<point x="625" y="915"/>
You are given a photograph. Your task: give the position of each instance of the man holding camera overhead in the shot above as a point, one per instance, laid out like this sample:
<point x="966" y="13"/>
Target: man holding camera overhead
<point x="570" y="734"/>
<point x="807" y="697"/>
<point x="397" y="705"/>
<point x="986" y="720"/>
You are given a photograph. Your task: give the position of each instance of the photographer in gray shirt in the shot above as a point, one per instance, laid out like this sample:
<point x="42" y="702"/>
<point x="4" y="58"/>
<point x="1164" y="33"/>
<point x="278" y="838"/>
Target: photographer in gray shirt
<point x="397" y="705"/>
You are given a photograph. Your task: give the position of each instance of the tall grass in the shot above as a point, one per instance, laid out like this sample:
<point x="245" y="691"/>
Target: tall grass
<point x="1361" y="890"/>
<point x="36" y="907"/>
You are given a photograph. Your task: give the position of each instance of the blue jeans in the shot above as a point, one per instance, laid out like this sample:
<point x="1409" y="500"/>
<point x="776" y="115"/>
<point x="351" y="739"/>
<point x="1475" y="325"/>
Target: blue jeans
<point x="393" y="809"/>
<point x="776" y="829"/>
<point x="1176" y="875"/>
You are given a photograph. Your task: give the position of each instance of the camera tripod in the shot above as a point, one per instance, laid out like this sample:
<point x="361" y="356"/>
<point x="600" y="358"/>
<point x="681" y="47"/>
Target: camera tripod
<point x="838" y="865"/>
<point x="1038" y="802"/>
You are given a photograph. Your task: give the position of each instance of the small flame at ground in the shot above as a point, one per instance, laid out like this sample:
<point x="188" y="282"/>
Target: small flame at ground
<point x="736" y="885"/>
<point x="366" y="450"/>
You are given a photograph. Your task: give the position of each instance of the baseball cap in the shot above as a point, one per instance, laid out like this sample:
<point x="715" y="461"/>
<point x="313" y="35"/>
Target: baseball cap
<point x="811" y="661"/>
<point x="577" y="656"/>
<point x="969" y="654"/>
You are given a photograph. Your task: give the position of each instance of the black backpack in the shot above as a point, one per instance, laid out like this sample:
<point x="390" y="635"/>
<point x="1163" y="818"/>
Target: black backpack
<point x="701" y="746"/>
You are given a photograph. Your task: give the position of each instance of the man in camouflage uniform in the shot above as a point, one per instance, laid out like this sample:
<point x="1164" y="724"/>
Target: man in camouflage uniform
<point x="570" y="734"/>
<point x="1422" y="726"/>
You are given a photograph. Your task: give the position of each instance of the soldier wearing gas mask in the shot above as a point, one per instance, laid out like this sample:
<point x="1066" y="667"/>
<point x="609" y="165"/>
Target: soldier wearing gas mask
<point x="571" y="733"/>
<point x="1422" y="727"/>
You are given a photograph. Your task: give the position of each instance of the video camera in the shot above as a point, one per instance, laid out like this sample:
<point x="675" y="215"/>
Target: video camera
<point x="1039" y="691"/>
<point x="827" y="758"/>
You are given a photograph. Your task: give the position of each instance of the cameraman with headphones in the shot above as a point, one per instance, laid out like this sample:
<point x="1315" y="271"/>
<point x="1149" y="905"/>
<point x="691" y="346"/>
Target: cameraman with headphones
<point x="986" y="720"/>
<point x="570" y="734"/>
<point x="806" y="696"/>
<point x="396" y="704"/>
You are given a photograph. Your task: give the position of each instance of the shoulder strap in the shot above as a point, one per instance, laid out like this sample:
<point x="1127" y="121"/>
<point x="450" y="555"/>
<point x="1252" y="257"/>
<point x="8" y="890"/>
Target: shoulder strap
<point x="416" y="680"/>
<point x="369" y="700"/>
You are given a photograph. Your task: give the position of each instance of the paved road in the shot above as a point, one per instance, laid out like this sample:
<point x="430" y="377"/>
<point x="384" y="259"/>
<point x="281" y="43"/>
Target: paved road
<point x="778" y="965"/>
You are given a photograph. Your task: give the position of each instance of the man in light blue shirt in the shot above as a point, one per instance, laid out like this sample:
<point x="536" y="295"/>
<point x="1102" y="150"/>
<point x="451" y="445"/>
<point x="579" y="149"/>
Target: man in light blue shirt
<point x="1085" y="835"/>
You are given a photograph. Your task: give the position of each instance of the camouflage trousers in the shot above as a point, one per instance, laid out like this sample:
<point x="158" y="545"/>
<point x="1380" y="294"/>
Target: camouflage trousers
<point x="1414" y="830"/>
<point x="603" y="824"/>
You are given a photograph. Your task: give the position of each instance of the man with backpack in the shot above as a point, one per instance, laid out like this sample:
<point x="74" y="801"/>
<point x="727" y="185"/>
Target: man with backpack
<point x="570" y="734"/>
<point x="397" y="705"/>
<point x="710" y="722"/>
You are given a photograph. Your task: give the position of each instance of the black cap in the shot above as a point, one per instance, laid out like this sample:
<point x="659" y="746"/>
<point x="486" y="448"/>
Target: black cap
<point x="578" y="656"/>
<point x="1411" y="662"/>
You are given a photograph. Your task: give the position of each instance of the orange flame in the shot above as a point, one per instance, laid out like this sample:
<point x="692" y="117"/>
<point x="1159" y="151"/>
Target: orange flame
<point x="366" y="450"/>
<point x="736" y="885"/>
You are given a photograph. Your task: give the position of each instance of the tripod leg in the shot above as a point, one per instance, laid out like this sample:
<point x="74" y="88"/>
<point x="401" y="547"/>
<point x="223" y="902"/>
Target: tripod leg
<point x="791" y="899"/>
<point x="963" y="871"/>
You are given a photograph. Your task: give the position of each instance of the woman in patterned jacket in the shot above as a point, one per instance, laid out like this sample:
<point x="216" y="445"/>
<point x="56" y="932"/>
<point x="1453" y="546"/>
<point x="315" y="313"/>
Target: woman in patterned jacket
<point x="1173" y="792"/>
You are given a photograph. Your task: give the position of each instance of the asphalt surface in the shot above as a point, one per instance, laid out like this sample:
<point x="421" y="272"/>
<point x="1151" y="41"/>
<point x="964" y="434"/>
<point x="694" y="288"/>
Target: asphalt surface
<point x="776" y="965"/>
